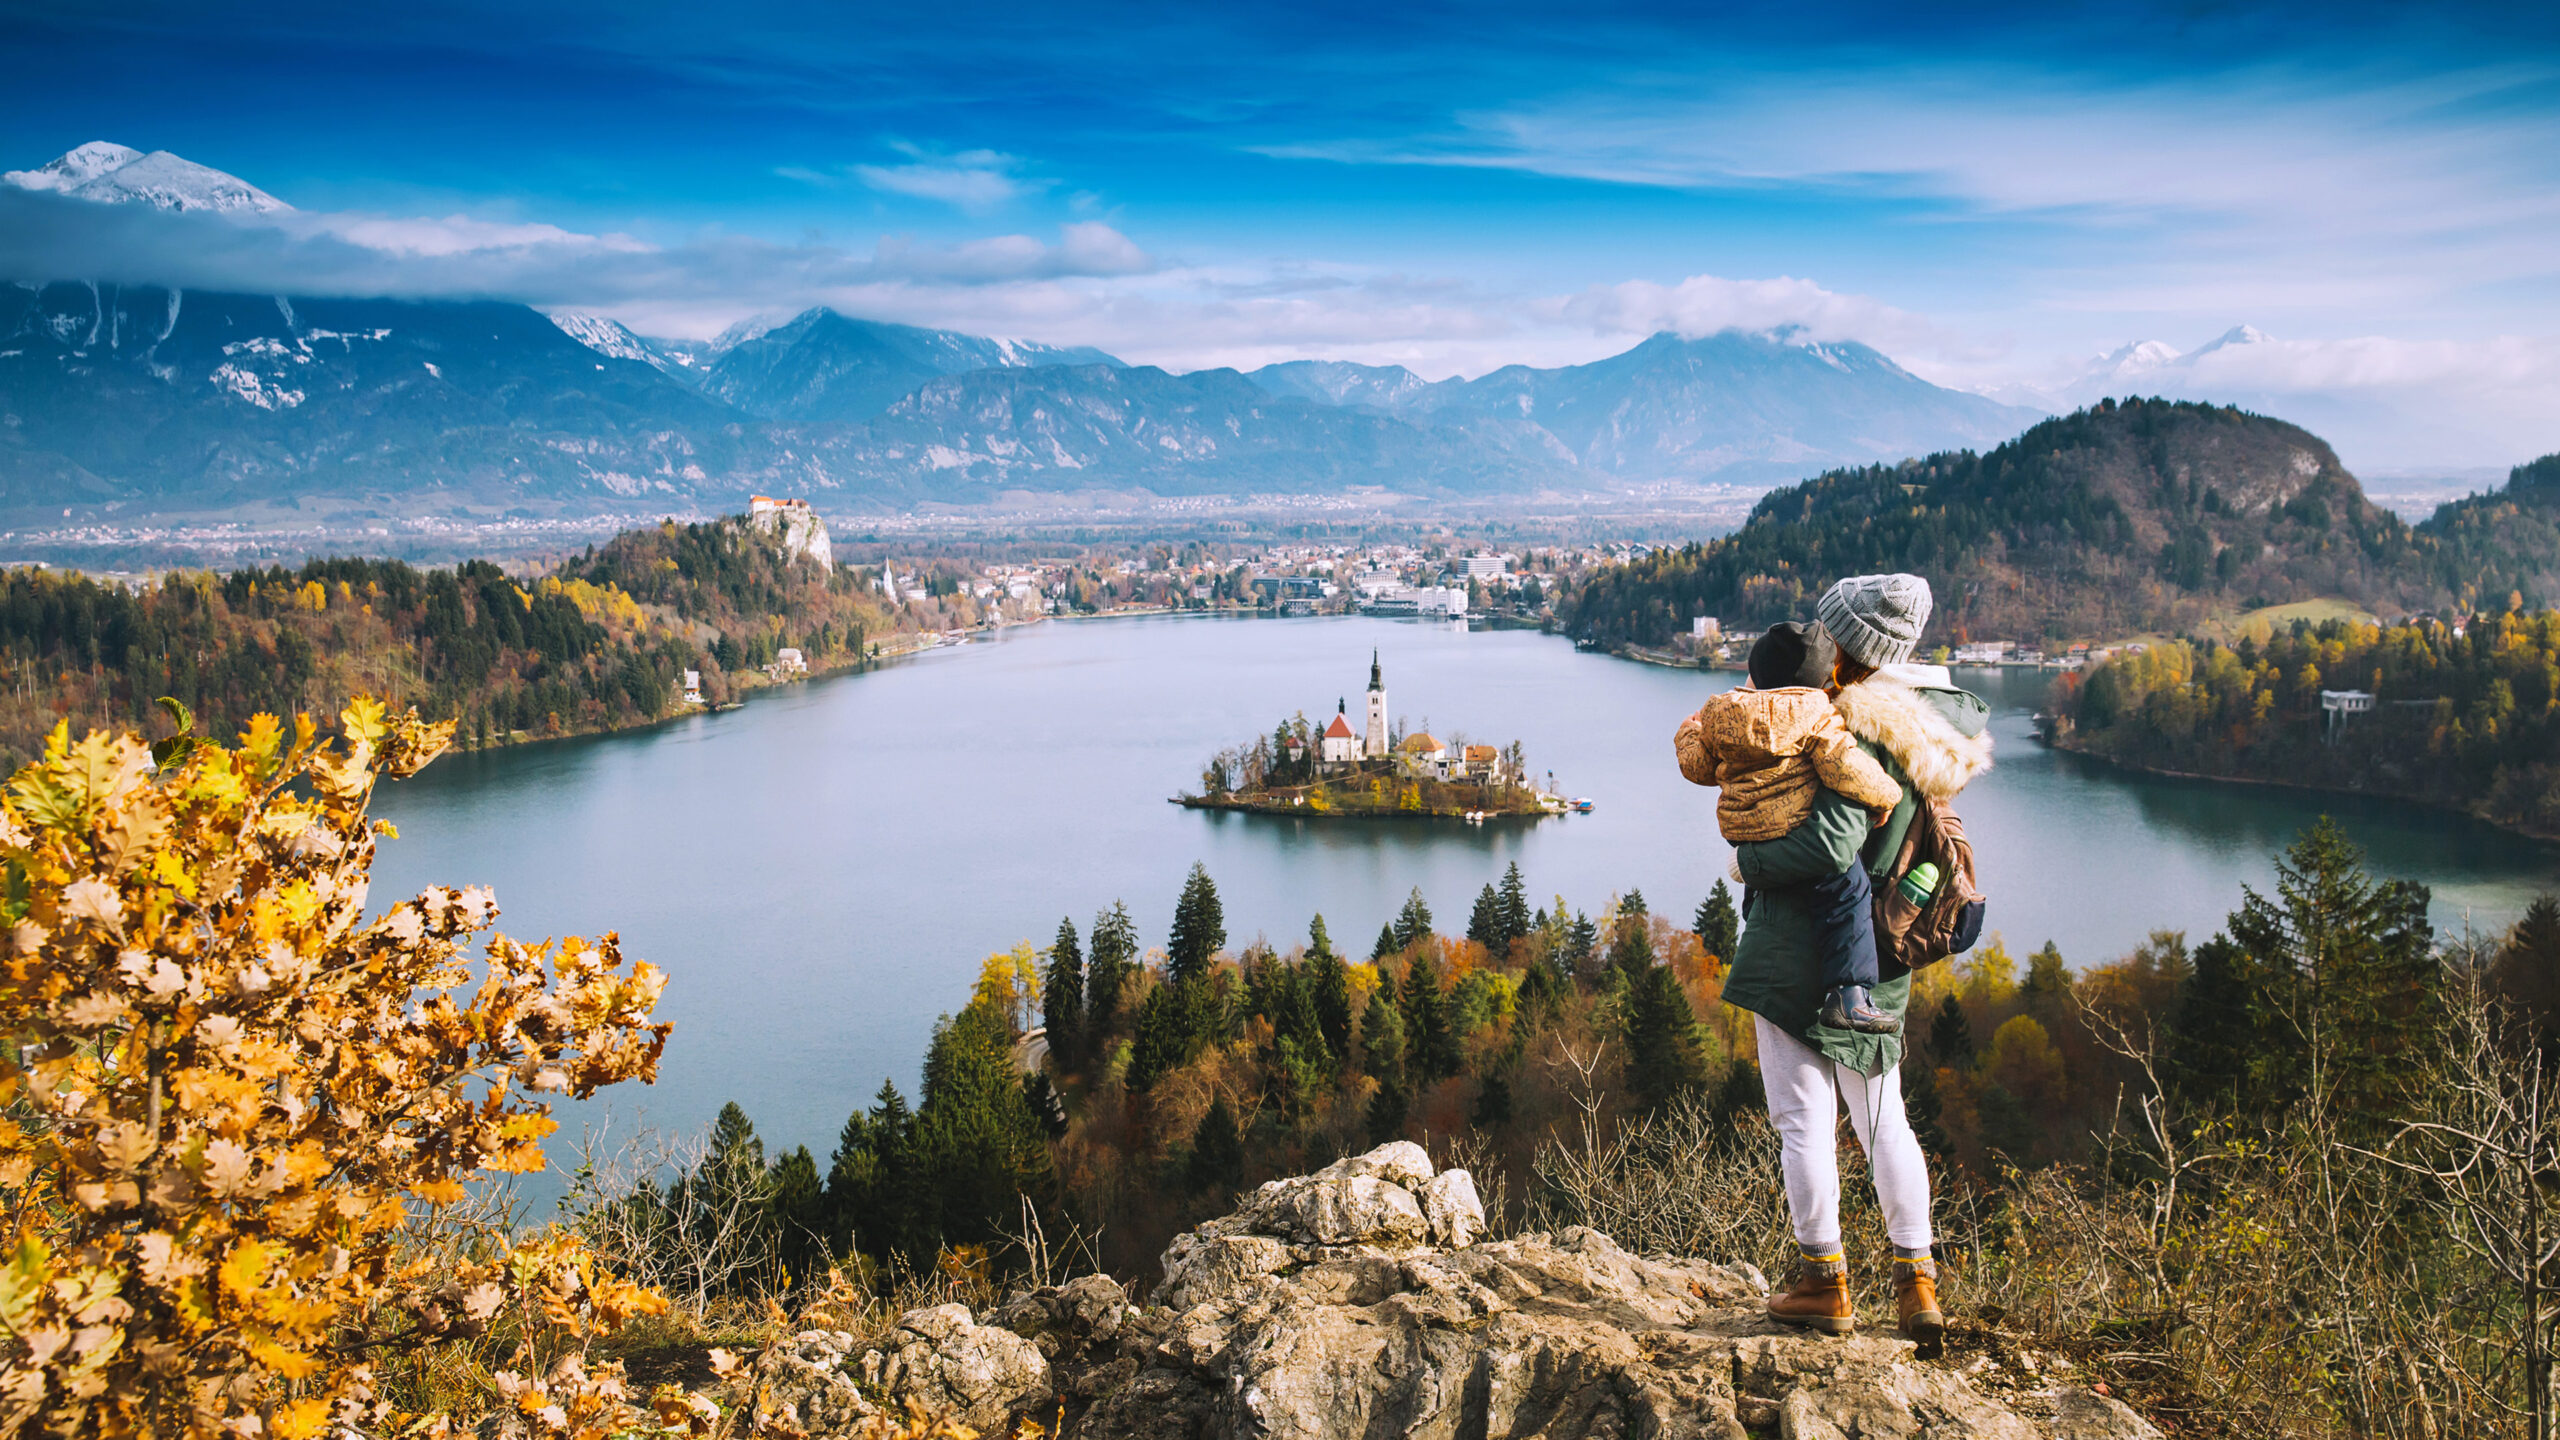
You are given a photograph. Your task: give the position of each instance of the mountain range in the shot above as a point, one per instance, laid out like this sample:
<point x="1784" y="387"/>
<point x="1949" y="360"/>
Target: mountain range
<point x="142" y="399"/>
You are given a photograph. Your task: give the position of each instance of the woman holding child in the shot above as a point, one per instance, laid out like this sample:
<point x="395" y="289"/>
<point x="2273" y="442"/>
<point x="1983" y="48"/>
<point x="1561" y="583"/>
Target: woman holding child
<point x="1817" y="800"/>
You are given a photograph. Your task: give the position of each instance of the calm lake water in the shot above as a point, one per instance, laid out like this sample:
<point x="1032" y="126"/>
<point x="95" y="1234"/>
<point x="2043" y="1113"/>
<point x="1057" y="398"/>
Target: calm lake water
<point x="821" y="873"/>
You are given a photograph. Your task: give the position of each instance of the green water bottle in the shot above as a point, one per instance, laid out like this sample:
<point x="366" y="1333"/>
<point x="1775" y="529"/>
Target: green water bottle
<point x="1919" y="883"/>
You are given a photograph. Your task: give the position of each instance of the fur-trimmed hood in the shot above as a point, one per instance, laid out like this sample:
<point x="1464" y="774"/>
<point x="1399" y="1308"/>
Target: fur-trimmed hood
<point x="1936" y="735"/>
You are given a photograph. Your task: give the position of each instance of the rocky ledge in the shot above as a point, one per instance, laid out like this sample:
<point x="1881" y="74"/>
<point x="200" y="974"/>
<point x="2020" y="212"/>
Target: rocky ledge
<point x="1359" y="1302"/>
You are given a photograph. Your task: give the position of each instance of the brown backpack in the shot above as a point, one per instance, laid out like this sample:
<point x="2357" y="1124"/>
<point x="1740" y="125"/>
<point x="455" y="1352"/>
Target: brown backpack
<point x="1911" y="937"/>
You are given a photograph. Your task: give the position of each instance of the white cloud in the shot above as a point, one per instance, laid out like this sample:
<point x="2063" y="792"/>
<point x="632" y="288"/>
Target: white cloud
<point x="972" y="180"/>
<point x="1705" y="304"/>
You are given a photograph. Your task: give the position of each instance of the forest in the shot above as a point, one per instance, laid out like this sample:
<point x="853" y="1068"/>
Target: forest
<point x="2129" y="518"/>
<point x="2163" y="1159"/>
<point x="599" y="643"/>
<point x="2464" y="715"/>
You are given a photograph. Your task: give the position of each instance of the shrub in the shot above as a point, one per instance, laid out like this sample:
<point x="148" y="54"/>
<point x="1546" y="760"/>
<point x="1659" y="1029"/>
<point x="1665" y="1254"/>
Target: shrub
<point x="223" y="1093"/>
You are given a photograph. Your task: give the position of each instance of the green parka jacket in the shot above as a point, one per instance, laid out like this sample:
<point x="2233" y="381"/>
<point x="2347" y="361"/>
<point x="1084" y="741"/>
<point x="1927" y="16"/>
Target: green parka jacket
<point x="1930" y="737"/>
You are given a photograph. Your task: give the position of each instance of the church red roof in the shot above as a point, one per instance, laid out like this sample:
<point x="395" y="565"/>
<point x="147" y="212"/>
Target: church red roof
<point x="1340" y="729"/>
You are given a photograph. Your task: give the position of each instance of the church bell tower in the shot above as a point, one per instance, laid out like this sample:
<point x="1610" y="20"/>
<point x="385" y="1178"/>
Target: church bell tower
<point x="1375" y="745"/>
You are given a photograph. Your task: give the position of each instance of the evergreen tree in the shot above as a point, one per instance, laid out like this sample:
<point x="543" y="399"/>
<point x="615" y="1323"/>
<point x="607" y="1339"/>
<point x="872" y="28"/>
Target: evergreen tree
<point x="1515" y="910"/>
<point x="1115" y="958"/>
<point x="1158" y="1047"/>
<point x="1633" y="904"/>
<point x="1631" y="940"/>
<point x="1719" y="924"/>
<point x="1329" y="986"/>
<point x="2349" y="973"/>
<point x="1382" y="1040"/>
<point x="2211" y="1035"/>
<point x="1199" y="927"/>
<point x="1431" y="1040"/>
<point x="1217" y="1150"/>
<point x="978" y="1144"/>
<point x="2048" y="984"/>
<point x="1318" y="943"/>
<point x="2526" y="971"/>
<point x="1484" y="926"/>
<point x="1664" y="1054"/>
<point x="1581" y="942"/>
<point x="1951" y="1036"/>
<point x="1386" y="945"/>
<point x="1413" y="922"/>
<point x="800" y="1215"/>
<point x="1062" y="997"/>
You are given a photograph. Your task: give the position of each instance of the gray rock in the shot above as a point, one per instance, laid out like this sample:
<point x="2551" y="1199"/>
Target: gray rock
<point x="1339" y="1304"/>
<point x="806" y="1384"/>
<point x="1350" y="1210"/>
<point x="943" y="1363"/>
<point x="1398" y="1162"/>
<point x="2086" y="1415"/>
<point x="1451" y="1209"/>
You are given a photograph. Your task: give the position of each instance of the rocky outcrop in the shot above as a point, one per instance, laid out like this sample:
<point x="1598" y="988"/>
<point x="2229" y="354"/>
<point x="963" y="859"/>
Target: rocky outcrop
<point x="1359" y="1301"/>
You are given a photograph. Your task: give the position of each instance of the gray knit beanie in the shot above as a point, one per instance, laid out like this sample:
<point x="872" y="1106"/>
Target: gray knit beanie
<point x="1876" y="619"/>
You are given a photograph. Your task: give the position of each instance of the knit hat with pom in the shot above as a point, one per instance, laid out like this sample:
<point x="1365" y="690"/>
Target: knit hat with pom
<point x="1876" y="619"/>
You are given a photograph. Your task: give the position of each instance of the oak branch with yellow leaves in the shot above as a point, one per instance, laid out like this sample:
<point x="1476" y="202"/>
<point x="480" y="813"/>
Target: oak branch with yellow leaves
<point x="223" y="1091"/>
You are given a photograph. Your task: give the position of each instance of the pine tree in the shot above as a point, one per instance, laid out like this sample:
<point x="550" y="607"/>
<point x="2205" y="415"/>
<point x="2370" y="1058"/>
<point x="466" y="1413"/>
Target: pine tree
<point x="1217" y="1150"/>
<point x="1199" y="927"/>
<point x="1062" y="997"/>
<point x="1386" y="945"/>
<point x="1719" y="924"/>
<point x="1115" y="958"/>
<point x="1413" y="922"/>
<point x="1927" y="1113"/>
<point x="800" y="1214"/>
<point x="1664" y="1054"/>
<point x="1431" y="1041"/>
<point x="1515" y="910"/>
<point x="1631" y="940"/>
<point x="2211" y="1034"/>
<point x="2048" y="983"/>
<point x="1319" y="944"/>
<point x="1157" y="1048"/>
<point x="2350" y="974"/>
<point x="1329" y="987"/>
<point x="1382" y="1035"/>
<point x="1951" y="1035"/>
<point x="2526" y="971"/>
<point x="1581" y="941"/>
<point x="1484" y="926"/>
<point x="979" y="1146"/>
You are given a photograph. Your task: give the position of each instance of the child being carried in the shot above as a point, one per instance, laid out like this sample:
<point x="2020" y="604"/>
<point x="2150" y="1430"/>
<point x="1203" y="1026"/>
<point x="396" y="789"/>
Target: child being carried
<point x="1770" y="747"/>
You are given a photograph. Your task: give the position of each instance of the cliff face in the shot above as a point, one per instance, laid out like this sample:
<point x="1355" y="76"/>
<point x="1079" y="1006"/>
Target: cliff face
<point x="1359" y="1302"/>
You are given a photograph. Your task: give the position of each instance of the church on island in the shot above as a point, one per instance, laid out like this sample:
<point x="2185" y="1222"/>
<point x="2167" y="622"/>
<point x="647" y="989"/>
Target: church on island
<point x="1342" y="748"/>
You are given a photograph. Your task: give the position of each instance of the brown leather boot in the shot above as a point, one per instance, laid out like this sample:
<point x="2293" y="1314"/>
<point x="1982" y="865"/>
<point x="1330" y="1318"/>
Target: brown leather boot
<point x="1915" y="1294"/>
<point x="1816" y="1297"/>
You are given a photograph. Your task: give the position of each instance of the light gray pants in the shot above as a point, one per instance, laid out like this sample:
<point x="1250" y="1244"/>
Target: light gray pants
<point x="1805" y="1094"/>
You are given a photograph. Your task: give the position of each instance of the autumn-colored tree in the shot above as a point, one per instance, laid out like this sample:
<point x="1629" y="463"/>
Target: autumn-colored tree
<point x="226" y="1090"/>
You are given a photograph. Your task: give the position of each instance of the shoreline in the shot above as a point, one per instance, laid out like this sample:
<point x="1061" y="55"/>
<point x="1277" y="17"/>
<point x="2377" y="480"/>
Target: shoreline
<point x="1308" y="812"/>
<point x="2430" y="802"/>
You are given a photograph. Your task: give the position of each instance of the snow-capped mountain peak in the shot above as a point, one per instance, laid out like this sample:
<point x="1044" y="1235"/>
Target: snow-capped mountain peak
<point x="120" y="175"/>
<point x="75" y="167"/>
<point x="608" y="337"/>
<point x="2136" y="358"/>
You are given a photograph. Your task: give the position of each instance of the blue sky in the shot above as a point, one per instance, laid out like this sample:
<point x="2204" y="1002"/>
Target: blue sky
<point x="1992" y="194"/>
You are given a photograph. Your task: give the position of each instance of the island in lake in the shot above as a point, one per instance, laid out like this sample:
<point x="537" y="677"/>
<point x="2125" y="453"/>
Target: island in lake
<point x="1370" y="772"/>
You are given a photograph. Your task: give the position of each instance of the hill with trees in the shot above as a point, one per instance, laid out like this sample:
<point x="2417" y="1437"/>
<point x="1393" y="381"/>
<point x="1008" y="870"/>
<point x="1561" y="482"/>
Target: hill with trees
<point x="599" y="644"/>
<point x="2467" y="718"/>
<point x="2127" y="518"/>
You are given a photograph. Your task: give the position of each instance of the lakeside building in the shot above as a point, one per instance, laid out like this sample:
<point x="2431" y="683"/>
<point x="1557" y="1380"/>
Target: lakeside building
<point x="1373" y="745"/>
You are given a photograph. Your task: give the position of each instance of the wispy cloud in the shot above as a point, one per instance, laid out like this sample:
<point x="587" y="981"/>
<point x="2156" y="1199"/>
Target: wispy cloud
<point x="975" y="181"/>
<point x="1705" y="304"/>
<point x="45" y="237"/>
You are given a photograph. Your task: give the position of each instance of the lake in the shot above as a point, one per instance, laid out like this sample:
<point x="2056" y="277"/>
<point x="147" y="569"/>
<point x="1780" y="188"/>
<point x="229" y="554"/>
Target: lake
<point x="821" y="873"/>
